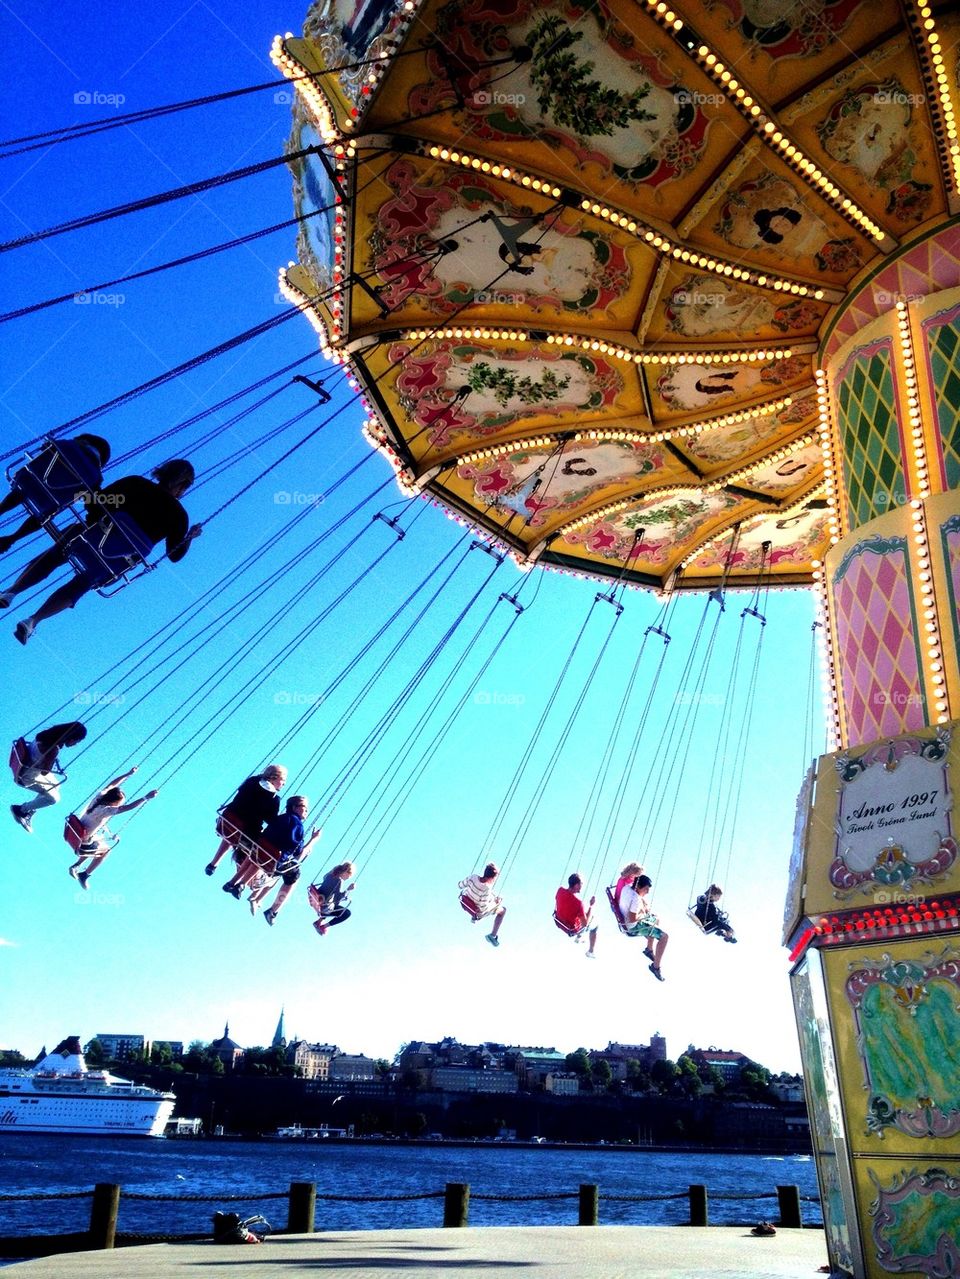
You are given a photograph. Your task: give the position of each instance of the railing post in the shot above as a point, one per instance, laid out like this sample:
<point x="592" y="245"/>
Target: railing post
<point x="301" y="1207"/>
<point x="789" y="1201"/>
<point x="456" y="1203"/>
<point x="699" y="1215"/>
<point x="588" y="1205"/>
<point x="103" y="1214"/>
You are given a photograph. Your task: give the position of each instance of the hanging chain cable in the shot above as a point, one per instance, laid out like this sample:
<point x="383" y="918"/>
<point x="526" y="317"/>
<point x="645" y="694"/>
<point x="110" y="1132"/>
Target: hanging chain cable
<point x="403" y="791"/>
<point x="810" y="703"/>
<point x="540" y="789"/>
<point x="518" y="774"/>
<point x="154" y="201"/>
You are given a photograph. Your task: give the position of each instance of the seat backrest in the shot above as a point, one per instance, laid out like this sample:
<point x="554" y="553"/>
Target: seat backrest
<point x="470" y="906"/>
<point x="108" y="549"/>
<point x="58" y="475"/>
<point x="615" y="907"/>
<point x="73" y="831"/>
<point x="692" y="914"/>
<point x="19" y="757"/>
<point x="564" y="928"/>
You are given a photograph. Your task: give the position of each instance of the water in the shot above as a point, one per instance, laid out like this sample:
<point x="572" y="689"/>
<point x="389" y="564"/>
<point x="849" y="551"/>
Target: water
<point x="40" y="1164"/>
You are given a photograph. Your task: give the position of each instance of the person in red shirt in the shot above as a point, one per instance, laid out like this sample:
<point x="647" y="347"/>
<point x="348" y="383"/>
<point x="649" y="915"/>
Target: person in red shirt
<point x="570" y="914"/>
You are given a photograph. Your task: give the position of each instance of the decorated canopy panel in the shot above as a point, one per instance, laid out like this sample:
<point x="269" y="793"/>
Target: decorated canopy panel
<point x="580" y="268"/>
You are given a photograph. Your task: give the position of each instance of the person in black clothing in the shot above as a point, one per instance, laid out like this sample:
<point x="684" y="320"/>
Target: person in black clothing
<point x="710" y="916"/>
<point x="152" y="505"/>
<point x="82" y="461"/>
<point x="39" y="772"/>
<point x="256" y="802"/>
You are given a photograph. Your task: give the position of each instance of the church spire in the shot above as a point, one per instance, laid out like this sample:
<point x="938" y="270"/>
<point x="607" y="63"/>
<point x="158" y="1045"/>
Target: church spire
<point x="279" y="1035"/>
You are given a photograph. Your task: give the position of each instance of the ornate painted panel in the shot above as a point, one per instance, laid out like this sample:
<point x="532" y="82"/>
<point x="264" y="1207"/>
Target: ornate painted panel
<point x="912" y="1216"/>
<point x="871" y="438"/>
<point x="950" y="545"/>
<point x="877" y="640"/>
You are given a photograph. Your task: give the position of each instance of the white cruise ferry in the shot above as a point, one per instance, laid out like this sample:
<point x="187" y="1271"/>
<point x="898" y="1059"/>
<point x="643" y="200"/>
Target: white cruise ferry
<point x="60" y="1094"/>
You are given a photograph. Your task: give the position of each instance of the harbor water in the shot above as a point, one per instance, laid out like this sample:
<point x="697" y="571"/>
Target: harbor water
<point x="368" y="1179"/>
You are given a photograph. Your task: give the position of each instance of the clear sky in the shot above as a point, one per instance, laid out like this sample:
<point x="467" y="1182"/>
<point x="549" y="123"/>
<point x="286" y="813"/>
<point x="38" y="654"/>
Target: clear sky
<point x="155" y="947"/>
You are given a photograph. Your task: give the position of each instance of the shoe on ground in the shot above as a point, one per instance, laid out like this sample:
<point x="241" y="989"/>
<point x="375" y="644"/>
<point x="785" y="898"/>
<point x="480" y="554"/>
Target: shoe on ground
<point x="764" y="1228"/>
<point x="22" y="817"/>
<point x="24" y="630"/>
<point x="270" y="916"/>
<point x="493" y="939"/>
<point x="82" y="879"/>
<point x="320" y="927"/>
<point x="657" y="973"/>
<point x="209" y="868"/>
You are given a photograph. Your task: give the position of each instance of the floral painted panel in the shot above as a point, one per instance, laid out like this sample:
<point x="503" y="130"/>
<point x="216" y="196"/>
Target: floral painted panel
<point x="534" y="482"/>
<point x="871" y="130"/>
<point x="590" y="88"/>
<point x="794" y="540"/>
<point x="666" y="524"/>
<point x="458" y="388"/>
<point x="495" y="253"/>
<point x="695" y="386"/>
<point x="914" y="1222"/>
<point x="704" y="306"/>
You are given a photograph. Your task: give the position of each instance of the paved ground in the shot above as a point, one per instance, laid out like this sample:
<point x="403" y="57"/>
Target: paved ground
<point x="547" y="1252"/>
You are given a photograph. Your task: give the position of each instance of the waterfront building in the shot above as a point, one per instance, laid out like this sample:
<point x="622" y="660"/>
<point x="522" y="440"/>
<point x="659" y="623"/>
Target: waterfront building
<point x="312" y="1060"/>
<point x="124" y="1047"/>
<point x="229" y="1052"/>
<point x="562" y="1083"/>
<point x="468" y="1079"/>
<point x="349" y="1066"/>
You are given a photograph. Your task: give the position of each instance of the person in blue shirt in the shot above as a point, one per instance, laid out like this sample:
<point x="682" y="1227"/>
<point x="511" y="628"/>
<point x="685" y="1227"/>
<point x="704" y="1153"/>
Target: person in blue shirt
<point x="284" y="843"/>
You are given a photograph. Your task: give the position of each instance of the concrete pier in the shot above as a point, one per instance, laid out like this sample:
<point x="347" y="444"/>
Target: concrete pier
<point x="548" y="1252"/>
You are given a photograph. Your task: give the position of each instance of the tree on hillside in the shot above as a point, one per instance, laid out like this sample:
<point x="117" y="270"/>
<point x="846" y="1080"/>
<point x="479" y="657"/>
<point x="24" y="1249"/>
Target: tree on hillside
<point x="94" y="1054"/>
<point x="664" y="1074"/>
<point x="690" y="1080"/>
<point x="579" y="1063"/>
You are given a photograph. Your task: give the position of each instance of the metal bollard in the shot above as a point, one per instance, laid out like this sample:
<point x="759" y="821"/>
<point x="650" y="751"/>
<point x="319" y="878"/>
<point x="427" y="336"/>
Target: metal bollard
<point x="456" y="1203"/>
<point x="588" y="1205"/>
<point x="699" y="1214"/>
<point x="788" y="1198"/>
<point x="103" y="1214"/>
<point x="301" y="1207"/>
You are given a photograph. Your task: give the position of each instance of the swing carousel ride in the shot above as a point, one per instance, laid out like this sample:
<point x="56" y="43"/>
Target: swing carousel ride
<point x="579" y="258"/>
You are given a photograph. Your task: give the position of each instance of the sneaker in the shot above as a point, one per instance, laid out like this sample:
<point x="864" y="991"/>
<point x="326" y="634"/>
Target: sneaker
<point x="234" y="889"/>
<point x="209" y="869"/>
<point x="320" y="927"/>
<point x="22" y="817"/>
<point x="731" y="940"/>
<point x="73" y="872"/>
<point x="270" y="916"/>
<point x="25" y="629"/>
<point x="6" y="599"/>
<point x="649" y="956"/>
<point x="657" y="973"/>
<point x="253" y="904"/>
<point x="82" y="879"/>
<point x="493" y="939"/>
<point x="590" y="955"/>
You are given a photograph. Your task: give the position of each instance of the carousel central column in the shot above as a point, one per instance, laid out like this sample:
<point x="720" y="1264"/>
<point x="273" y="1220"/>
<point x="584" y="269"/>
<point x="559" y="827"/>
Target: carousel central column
<point x="872" y="914"/>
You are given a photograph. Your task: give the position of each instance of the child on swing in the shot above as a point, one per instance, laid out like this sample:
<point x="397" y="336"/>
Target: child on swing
<point x="711" y="917"/>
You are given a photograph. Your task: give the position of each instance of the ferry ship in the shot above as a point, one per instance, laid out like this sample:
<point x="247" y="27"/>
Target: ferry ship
<point x="60" y="1094"/>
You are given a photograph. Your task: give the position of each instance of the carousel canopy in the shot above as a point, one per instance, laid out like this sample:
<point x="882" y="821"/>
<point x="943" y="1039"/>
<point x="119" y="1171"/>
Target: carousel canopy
<point x="580" y="256"/>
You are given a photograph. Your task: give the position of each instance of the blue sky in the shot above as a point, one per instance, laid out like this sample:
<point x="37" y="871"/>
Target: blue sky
<point x="155" y="947"/>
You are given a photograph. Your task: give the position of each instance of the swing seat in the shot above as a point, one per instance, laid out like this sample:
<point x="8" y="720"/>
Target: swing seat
<point x="617" y="914"/>
<point x="59" y="475"/>
<point x="19" y="758"/>
<point x="75" y="835"/>
<point x="565" y="928"/>
<point x="471" y="907"/>
<point x="106" y="552"/>
<point x="228" y="827"/>
<point x="263" y="854"/>
<point x="315" y="898"/>
<point x="692" y="915"/>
